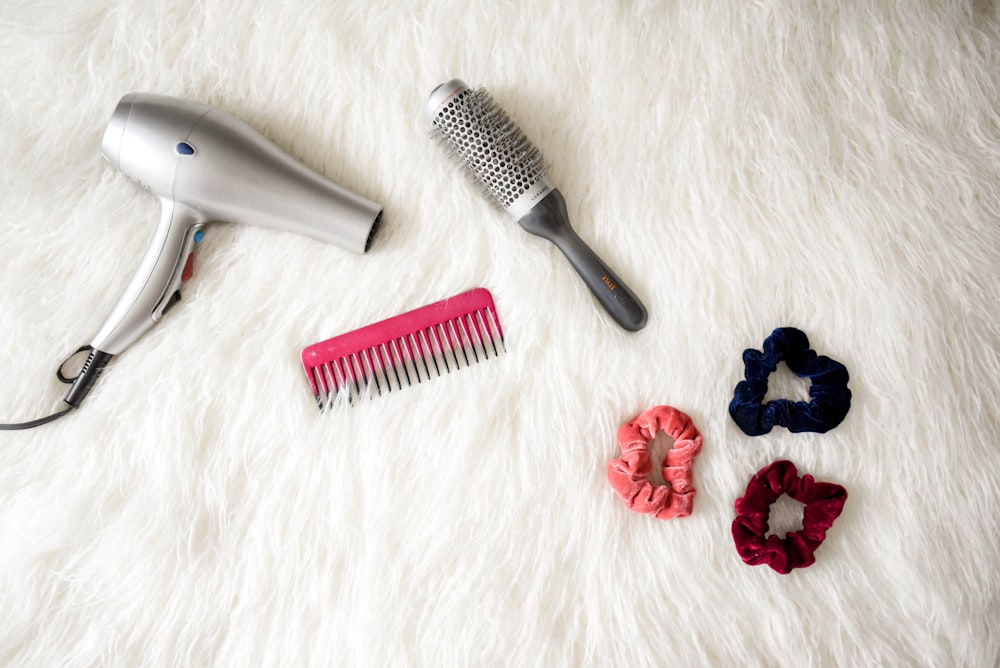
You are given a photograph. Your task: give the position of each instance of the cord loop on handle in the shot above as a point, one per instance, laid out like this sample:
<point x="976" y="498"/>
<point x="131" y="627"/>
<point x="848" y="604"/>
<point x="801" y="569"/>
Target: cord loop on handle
<point x="59" y="372"/>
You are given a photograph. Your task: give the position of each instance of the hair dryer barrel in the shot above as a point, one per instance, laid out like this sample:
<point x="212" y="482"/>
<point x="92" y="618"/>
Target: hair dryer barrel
<point x="250" y="180"/>
<point x="223" y="169"/>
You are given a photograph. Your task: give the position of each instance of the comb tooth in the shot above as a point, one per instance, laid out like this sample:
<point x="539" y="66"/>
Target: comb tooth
<point x="480" y="339"/>
<point x="381" y="366"/>
<point x="496" y="325"/>
<point x="321" y="388"/>
<point x="478" y="350"/>
<point x="392" y="365"/>
<point x="451" y="344"/>
<point x="380" y="362"/>
<point x="460" y="346"/>
<point x="355" y="366"/>
<point x="386" y="357"/>
<point x="409" y="360"/>
<point x="468" y="337"/>
<point x="334" y="389"/>
<point x="423" y="356"/>
<point x="317" y="378"/>
<point x="367" y="378"/>
<point x="345" y="389"/>
<point x="377" y="367"/>
<point x="370" y="381"/>
<point x="437" y="340"/>
<point x="358" y="374"/>
<point x="344" y="374"/>
<point x="484" y="327"/>
<point x="401" y="362"/>
<point x="422" y="353"/>
<point x="321" y="372"/>
<point x="366" y="375"/>
<point x="334" y="383"/>
<point x="418" y="355"/>
<point x="374" y="375"/>
<point x="426" y="345"/>
<point x="484" y="314"/>
<point x="476" y="336"/>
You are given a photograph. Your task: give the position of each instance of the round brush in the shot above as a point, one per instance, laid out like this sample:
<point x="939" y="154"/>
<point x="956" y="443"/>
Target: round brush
<point x="512" y="172"/>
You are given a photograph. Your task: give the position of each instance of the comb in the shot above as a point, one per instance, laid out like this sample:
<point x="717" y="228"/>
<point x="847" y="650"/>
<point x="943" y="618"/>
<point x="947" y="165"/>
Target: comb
<point x="404" y="350"/>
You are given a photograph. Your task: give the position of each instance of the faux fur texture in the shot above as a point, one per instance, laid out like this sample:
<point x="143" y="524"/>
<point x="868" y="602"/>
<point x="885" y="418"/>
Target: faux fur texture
<point x="742" y="165"/>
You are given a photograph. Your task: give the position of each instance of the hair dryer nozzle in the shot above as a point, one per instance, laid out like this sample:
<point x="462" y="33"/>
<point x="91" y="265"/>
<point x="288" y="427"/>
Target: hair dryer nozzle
<point x="111" y="142"/>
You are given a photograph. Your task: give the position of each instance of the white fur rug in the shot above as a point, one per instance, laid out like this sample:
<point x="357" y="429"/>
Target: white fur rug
<point x="743" y="166"/>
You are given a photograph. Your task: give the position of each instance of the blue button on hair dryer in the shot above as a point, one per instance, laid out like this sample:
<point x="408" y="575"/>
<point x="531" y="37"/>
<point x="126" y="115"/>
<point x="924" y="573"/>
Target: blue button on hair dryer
<point x="204" y="165"/>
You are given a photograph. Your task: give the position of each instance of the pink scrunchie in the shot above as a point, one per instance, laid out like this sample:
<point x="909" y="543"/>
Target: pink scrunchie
<point x="629" y="475"/>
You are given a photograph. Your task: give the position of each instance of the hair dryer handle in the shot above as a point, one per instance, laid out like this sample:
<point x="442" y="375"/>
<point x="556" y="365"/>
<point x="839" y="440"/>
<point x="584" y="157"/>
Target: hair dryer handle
<point x="155" y="287"/>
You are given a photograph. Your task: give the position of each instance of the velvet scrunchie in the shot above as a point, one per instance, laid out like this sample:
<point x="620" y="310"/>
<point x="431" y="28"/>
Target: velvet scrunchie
<point x="629" y="475"/>
<point x="830" y="398"/>
<point x="823" y="503"/>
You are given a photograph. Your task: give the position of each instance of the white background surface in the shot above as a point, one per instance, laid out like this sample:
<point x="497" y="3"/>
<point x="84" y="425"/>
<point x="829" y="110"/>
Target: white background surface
<point x="743" y="166"/>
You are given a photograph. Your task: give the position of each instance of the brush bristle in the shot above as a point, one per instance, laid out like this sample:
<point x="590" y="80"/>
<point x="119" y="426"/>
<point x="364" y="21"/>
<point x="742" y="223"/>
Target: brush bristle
<point x="480" y="135"/>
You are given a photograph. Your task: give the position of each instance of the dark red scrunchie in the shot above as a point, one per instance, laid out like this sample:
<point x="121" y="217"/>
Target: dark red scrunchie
<point x="823" y="503"/>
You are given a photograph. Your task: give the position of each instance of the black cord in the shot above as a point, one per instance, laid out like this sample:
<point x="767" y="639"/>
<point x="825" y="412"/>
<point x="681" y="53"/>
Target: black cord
<point x="81" y="383"/>
<point x="35" y="423"/>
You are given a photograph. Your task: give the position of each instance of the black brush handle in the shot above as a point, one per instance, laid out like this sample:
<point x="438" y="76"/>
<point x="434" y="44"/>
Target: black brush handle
<point x="549" y="220"/>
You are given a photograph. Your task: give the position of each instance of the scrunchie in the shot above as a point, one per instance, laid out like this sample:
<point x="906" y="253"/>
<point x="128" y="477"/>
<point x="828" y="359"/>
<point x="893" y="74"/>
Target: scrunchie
<point x="629" y="475"/>
<point x="823" y="503"/>
<point x="830" y="398"/>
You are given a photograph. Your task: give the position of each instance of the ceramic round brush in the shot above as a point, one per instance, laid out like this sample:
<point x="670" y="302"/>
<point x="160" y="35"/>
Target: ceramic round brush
<point x="512" y="172"/>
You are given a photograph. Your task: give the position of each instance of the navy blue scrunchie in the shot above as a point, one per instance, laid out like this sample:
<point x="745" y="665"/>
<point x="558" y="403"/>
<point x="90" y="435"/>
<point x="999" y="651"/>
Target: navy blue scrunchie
<point x="830" y="399"/>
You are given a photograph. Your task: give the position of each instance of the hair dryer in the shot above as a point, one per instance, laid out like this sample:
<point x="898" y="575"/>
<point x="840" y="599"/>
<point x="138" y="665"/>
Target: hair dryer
<point x="205" y="165"/>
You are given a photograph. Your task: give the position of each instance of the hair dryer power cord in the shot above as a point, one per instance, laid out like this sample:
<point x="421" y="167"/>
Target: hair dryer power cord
<point x="36" y="423"/>
<point x="81" y="384"/>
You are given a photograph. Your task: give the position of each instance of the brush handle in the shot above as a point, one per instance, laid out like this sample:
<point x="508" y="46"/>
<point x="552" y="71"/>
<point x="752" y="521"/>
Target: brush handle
<point x="549" y="220"/>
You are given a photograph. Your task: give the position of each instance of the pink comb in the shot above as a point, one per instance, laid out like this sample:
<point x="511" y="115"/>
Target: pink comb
<point x="411" y="346"/>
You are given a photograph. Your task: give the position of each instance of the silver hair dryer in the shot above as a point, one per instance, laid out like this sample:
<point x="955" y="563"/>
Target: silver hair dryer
<point x="205" y="165"/>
